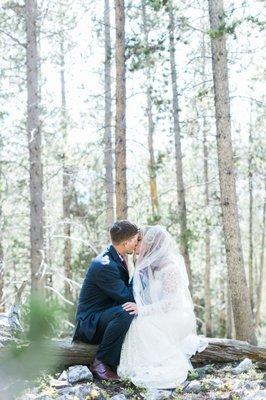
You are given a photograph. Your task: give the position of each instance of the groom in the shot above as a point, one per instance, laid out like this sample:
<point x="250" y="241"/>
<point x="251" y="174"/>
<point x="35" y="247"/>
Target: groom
<point x="100" y="317"/>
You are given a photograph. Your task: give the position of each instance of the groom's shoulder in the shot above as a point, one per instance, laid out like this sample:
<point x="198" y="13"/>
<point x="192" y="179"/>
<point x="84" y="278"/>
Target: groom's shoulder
<point x="103" y="259"/>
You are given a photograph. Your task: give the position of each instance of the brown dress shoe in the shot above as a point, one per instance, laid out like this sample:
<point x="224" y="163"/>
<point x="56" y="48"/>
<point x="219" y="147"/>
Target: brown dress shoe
<point x="102" y="371"/>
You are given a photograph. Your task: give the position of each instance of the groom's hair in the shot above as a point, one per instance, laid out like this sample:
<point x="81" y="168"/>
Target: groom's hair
<point x="123" y="230"/>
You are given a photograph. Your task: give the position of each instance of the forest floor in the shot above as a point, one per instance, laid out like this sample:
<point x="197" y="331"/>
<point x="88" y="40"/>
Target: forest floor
<point x="213" y="382"/>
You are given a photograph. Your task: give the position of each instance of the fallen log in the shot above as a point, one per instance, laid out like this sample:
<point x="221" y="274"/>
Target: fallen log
<point x="218" y="351"/>
<point x="229" y="350"/>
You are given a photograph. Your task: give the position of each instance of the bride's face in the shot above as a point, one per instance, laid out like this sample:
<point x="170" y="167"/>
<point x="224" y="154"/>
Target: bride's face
<point x="137" y="248"/>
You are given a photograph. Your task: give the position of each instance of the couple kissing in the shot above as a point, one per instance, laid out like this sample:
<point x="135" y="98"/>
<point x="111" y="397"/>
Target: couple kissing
<point x="145" y="327"/>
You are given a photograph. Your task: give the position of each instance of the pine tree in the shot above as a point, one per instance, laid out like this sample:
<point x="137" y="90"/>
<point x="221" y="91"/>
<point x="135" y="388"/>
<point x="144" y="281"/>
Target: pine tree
<point x="35" y="149"/>
<point x="181" y="198"/>
<point x="237" y="280"/>
<point x="108" y="146"/>
<point x="120" y="119"/>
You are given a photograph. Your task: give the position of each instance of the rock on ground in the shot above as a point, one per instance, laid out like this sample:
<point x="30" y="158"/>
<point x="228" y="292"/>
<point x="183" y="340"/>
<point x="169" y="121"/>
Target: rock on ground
<point x="79" y="373"/>
<point x="211" y="382"/>
<point x="245" y="365"/>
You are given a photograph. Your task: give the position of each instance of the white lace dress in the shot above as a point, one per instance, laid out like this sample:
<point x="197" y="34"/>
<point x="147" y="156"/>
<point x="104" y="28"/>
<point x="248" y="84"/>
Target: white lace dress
<point x="162" y="337"/>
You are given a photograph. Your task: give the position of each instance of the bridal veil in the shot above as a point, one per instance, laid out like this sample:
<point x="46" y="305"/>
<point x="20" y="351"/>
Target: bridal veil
<point x="162" y="337"/>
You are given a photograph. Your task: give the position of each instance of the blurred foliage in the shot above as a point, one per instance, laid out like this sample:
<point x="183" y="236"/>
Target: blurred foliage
<point x="82" y="260"/>
<point x="157" y="5"/>
<point x="31" y="354"/>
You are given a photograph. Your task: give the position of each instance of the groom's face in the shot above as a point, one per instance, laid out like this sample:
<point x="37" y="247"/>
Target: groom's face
<point x="131" y="244"/>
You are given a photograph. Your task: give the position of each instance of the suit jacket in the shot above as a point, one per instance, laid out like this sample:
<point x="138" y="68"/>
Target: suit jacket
<point x="106" y="285"/>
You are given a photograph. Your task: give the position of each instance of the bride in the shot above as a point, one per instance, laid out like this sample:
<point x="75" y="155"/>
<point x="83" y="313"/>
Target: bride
<point x="162" y="336"/>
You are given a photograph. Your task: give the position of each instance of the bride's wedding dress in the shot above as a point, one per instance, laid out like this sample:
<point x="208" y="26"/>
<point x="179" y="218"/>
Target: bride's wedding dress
<point x="162" y="337"/>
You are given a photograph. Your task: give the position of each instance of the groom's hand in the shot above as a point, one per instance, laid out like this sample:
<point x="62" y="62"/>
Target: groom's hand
<point x="131" y="308"/>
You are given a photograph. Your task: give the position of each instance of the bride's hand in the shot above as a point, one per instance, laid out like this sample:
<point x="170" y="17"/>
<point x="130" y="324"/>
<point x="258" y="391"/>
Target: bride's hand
<point x="131" y="308"/>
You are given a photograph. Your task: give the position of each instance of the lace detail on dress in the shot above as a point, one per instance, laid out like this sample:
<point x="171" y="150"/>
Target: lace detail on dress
<point x="170" y="294"/>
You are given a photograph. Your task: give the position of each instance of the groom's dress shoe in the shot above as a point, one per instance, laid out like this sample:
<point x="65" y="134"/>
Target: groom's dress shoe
<point x="102" y="371"/>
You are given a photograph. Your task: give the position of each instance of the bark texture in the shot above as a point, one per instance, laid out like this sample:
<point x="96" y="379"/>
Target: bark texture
<point x="229" y="315"/>
<point x="108" y="149"/>
<point x="120" y="119"/>
<point x="237" y="280"/>
<point x="218" y="350"/>
<point x="34" y="145"/>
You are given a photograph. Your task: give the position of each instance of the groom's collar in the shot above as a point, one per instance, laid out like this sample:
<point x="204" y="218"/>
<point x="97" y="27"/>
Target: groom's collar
<point x="116" y="256"/>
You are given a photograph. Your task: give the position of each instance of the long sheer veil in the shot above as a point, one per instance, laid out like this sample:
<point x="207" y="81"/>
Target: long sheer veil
<point x="158" y="251"/>
<point x="162" y="337"/>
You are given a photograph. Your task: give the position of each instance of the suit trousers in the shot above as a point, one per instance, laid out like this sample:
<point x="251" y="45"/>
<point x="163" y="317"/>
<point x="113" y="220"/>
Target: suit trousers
<point x="110" y="333"/>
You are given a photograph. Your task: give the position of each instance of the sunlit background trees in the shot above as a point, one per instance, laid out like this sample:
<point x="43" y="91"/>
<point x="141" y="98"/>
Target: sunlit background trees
<point x="113" y="109"/>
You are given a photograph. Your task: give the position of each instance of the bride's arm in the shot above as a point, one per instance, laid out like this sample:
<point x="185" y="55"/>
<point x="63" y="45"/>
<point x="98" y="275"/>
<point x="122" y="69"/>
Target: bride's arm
<point x="174" y="293"/>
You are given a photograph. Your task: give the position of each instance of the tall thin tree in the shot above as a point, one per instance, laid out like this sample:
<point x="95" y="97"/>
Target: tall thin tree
<point x="207" y="275"/>
<point x="108" y="147"/>
<point x="262" y="264"/>
<point x="229" y="316"/>
<point x="120" y="118"/>
<point x="152" y="165"/>
<point x="181" y="199"/>
<point x="67" y="192"/>
<point x="250" y="191"/>
<point x="34" y="145"/>
<point x="2" y="303"/>
<point x="237" y="280"/>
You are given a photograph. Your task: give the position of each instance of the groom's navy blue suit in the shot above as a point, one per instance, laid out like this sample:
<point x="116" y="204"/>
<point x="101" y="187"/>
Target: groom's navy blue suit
<point x="100" y="317"/>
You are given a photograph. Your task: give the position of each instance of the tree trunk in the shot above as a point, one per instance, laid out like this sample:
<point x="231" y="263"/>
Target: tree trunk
<point x="261" y="275"/>
<point x="182" y="213"/>
<point x="207" y="276"/>
<point x="34" y="144"/>
<point x="238" y="285"/>
<point x="66" y="180"/>
<point x="222" y="305"/>
<point x="250" y="187"/>
<point x="152" y="164"/>
<point x="2" y="301"/>
<point x="67" y="195"/>
<point x="229" y="314"/>
<point x="108" y="150"/>
<point x="120" y="120"/>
